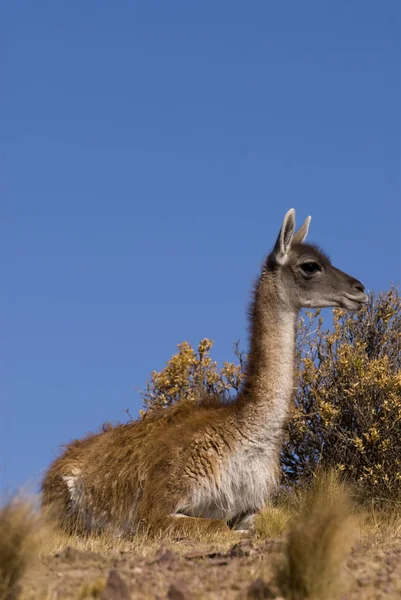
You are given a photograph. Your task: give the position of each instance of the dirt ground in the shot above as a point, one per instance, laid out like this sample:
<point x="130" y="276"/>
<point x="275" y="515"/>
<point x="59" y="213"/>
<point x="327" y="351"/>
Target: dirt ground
<point x="186" y="570"/>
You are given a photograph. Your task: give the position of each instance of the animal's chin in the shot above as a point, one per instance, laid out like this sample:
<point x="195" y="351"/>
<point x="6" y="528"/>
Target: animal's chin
<point x="345" y="302"/>
<point x="351" y="303"/>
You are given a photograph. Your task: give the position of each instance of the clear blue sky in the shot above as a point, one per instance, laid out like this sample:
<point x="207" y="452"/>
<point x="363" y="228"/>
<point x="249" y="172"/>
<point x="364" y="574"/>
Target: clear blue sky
<point x="149" y="152"/>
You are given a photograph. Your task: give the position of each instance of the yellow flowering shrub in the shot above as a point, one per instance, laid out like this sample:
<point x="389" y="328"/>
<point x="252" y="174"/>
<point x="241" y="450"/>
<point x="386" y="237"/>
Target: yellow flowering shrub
<point x="347" y="407"/>
<point x="190" y="373"/>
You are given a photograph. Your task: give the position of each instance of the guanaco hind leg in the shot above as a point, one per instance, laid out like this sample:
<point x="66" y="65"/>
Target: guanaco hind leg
<point x="246" y="523"/>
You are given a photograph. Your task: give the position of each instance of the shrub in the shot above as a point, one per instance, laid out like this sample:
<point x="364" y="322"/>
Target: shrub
<point x="347" y="407"/>
<point x="190" y="373"/>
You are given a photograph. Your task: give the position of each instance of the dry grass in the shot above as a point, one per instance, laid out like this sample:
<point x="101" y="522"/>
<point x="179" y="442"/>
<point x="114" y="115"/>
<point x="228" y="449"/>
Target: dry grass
<point x="319" y="539"/>
<point x="92" y="590"/>
<point x="273" y="521"/>
<point x="21" y="533"/>
<point x="317" y="526"/>
<point x="141" y="545"/>
<point x="379" y="524"/>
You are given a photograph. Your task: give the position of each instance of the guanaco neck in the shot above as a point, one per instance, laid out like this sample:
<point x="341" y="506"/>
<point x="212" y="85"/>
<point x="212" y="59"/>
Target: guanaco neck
<point x="265" y="399"/>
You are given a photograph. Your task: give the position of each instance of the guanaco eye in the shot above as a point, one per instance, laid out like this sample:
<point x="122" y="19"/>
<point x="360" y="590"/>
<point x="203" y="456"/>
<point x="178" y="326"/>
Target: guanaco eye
<point x="310" y="267"/>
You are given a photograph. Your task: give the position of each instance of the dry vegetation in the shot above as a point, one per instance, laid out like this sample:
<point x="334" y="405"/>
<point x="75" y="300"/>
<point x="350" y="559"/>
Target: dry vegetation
<point x="314" y="543"/>
<point x="332" y="532"/>
<point x="21" y="534"/>
<point x="319" y="539"/>
<point x="347" y="410"/>
<point x="347" y="406"/>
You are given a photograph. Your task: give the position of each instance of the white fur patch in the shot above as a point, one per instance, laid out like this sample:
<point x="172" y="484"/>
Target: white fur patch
<point x="74" y="485"/>
<point x="95" y="520"/>
<point x="245" y="483"/>
<point x="80" y="502"/>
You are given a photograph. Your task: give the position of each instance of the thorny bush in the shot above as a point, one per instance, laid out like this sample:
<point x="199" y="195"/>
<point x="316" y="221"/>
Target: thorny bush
<point x="347" y="405"/>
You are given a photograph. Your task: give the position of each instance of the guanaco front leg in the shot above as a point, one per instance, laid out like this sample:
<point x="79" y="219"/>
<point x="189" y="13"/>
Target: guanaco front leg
<point x="183" y="525"/>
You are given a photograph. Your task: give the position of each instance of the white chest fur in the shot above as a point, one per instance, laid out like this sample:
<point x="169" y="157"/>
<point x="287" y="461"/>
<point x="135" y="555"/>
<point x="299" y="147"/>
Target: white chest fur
<point x="245" y="482"/>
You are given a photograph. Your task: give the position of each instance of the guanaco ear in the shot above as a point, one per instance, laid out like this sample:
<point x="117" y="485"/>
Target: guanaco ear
<point x="284" y="239"/>
<point x="302" y="232"/>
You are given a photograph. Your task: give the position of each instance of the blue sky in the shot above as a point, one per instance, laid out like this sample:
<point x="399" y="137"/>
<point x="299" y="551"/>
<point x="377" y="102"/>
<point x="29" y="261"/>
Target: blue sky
<point x="149" y="153"/>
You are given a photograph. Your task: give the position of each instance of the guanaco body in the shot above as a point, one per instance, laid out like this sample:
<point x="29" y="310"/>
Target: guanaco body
<point x="205" y="465"/>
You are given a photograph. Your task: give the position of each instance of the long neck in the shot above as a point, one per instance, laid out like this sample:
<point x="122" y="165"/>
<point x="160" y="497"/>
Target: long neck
<point x="270" y="373"/>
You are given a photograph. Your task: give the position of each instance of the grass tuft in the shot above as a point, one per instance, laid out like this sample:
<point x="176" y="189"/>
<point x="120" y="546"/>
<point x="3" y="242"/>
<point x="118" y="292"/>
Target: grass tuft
<point x="319" y="539"/>
<point x="92" y="590"/>
<point x="20" y="535"/>
<point x="273" y="521"/>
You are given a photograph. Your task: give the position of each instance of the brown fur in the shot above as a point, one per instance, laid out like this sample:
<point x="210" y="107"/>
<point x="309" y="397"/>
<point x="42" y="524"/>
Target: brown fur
<point x="205" y="459"/>
<point x="151" y="447"/>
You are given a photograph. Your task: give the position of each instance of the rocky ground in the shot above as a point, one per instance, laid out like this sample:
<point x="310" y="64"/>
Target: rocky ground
<point x="188" y="570"/>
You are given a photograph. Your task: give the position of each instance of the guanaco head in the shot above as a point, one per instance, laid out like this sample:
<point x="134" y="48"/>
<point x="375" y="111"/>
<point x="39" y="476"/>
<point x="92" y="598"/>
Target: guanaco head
<point x="305" y="275"/>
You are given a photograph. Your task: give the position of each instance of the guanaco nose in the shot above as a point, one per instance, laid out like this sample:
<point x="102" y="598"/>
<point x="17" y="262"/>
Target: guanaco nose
<point x="358" y="286"/>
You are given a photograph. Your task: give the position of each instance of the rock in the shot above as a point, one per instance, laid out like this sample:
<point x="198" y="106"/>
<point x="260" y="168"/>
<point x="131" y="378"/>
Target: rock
<point x="178" y="591"/>
<point x="195" y="555"/>
<point x="116" y="588"/>
<point x="166" y="558"/>
<point x="243" y="548"/>
<point x="73" y="555"/>
<point x="219" y="562"/>
<point x="259" y="590"/>
<point x="69" y="554"/>
<point x="203" y="555"/>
